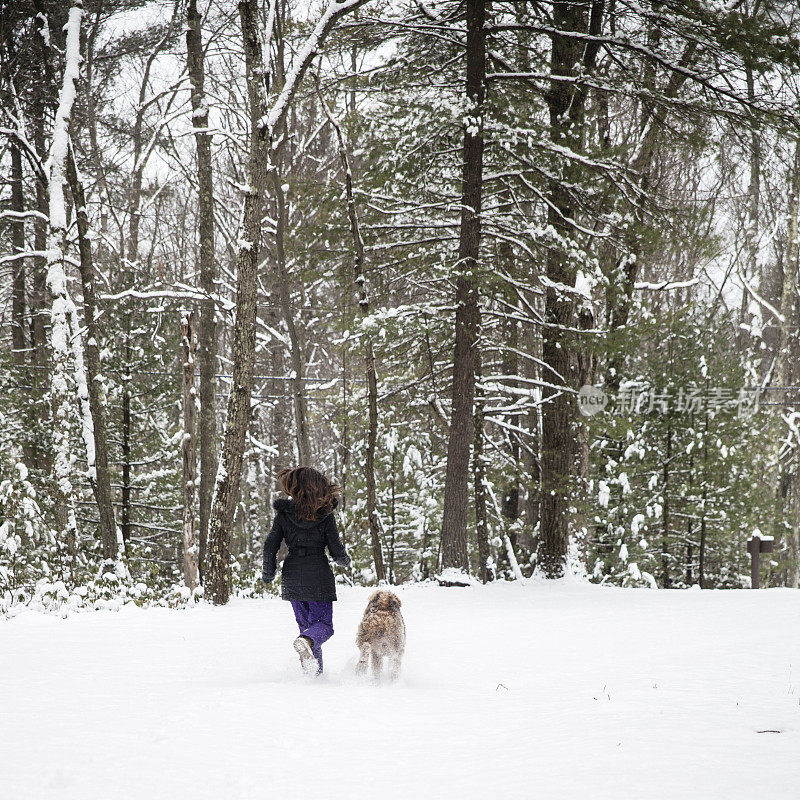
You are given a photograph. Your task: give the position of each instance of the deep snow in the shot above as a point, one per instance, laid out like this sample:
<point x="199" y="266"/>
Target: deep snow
<point x="560" y="690"/>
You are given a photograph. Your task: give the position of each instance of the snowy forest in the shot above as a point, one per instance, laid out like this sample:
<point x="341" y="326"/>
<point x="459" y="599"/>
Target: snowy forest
<point x="392" y="239"/>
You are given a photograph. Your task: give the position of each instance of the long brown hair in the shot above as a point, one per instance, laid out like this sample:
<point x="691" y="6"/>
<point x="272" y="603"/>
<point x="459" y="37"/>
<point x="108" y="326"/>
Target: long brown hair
<point x="313" y="494"/>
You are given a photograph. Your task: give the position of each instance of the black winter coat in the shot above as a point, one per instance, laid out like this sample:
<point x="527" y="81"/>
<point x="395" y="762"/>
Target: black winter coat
<point x="306" y="573"/>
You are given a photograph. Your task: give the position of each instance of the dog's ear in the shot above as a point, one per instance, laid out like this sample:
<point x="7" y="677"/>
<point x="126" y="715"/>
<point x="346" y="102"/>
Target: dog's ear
<point x="372" y="603"/>
<point x="395" y="601"/>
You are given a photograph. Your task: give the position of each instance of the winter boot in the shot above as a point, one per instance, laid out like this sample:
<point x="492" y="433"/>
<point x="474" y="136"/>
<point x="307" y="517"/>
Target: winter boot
<point x="309" y="663"/>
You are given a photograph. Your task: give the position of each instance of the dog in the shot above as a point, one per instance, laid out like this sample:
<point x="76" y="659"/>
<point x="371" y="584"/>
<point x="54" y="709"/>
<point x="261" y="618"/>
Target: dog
<point x="381" y="634"/>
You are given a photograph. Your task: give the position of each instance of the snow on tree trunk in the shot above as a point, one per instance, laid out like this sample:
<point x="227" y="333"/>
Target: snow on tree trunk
<point x="92" y="384"/>
<point x="62" y="308"/>
<point x="190" y="549"/>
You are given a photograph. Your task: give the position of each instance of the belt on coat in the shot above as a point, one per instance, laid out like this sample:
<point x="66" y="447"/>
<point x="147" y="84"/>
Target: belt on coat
<point x="306" y="551"/>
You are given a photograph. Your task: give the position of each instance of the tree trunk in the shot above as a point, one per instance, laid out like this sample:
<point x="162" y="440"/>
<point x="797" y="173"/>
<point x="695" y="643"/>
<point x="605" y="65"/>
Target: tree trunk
<point x="296" y="354"/>
<point x="565" y="101"/>
<point x="752" y="214"/>
<point x="531" y="452"/>
<point x="784" y="375"/>
<point x="510" y="500"/>
<point x="345" y="443"/>
<point x="793" y="548"/>
<point x="479" y="481"/>
<point x="18" y="265"/>
<point x="101" y="484"/>
<point x="369" y="466"/>
<point x="38" y="305"/>
<point x="190" y="548"/>
<point x="467" y="323"/>
<point x="391" y="575"/>
<point x="295" y="345"/>
<point x="226" y="488"/>
<point x="701" y="563"/>
<point x="510" y="366"/>
<point x="585" y="375"/>
<point x="360" y="283"/>
<point x="27" y="400"/>
<point x="57" y="284"/>
<point x="42" y="451"/>
<point x="666" y="580"/>
<point x="207" y="328"/>
<point x="125" y="521"/>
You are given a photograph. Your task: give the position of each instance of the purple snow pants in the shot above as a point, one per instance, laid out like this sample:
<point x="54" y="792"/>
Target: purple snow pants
<point x="315" y="620"/>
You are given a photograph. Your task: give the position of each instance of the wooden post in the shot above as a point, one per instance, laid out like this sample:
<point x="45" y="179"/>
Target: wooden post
<point x="190" y="548"/>
<point x="756" y="545"/>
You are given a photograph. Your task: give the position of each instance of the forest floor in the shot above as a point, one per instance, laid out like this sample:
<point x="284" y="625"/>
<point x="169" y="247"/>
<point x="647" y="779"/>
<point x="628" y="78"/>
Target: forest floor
<point x="510" y="690"/>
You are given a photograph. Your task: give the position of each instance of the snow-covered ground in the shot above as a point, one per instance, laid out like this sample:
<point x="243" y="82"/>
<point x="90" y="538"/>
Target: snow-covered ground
<point x="561" y="690"/>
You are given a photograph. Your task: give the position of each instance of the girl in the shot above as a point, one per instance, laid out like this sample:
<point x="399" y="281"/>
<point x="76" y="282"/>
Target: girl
<point x="306" y="523"/>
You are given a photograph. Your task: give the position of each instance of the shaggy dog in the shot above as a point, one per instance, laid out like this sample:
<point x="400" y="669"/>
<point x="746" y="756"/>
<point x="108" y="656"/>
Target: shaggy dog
<point x="382" y="633"/>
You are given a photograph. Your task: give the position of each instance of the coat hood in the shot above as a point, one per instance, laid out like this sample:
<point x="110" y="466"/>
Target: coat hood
<point x="287" y="506"/>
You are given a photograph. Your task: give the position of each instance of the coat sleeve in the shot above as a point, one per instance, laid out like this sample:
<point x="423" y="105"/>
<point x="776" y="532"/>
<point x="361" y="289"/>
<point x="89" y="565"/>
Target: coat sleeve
<point x="335" y="546"/>
<point x="271" y="545"/>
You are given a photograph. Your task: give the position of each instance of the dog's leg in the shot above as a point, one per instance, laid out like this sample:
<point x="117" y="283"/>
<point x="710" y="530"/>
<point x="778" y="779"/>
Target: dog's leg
<point x="394" y="667"/>
<point x="361" y="667"/>
<point x="377" y="665"/>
